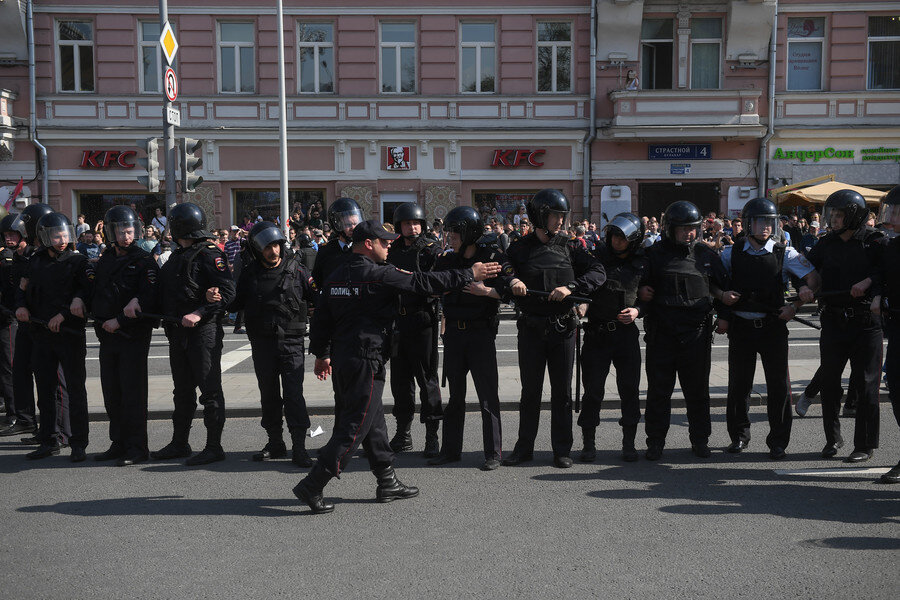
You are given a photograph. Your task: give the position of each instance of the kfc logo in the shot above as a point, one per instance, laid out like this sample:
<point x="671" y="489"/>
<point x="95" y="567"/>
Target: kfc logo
<point x="104" y="159"/>
<point x="514" y="158"/>
<point x="398" y="158"/>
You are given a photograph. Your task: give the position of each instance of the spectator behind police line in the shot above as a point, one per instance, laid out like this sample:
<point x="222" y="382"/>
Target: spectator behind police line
<point x="159" y="220"/>
<point x="88" y="247"/>
<point x="651" y="236"/>
<point x="149" y="242"/>
<point x="232" y="246"/>
<point x="81" y="227"/>
<point x="810" y="238"/>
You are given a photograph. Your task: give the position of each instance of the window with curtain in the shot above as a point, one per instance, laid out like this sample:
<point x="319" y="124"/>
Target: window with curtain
<point x="806" y="40"/>
<point x="706" y="53"/>
<point x="884" y="53"/>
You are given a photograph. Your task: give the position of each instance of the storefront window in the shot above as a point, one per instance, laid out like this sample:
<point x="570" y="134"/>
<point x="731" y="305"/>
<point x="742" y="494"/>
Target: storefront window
<point x="267" y="203"/>
<point x="94" y="206"/>
<point x="500" y="205"/>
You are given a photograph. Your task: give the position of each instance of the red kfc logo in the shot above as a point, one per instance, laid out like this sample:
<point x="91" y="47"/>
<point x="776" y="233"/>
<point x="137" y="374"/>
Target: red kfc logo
<point x="104" y="159"/>
<point x="515" y="158"/>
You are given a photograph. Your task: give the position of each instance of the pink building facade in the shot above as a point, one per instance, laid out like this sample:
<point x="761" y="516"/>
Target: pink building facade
<point x="448" y="104"/>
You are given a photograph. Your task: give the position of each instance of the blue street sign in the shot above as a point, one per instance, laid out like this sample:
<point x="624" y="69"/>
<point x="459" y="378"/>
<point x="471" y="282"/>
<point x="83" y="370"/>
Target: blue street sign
<point x="679" y="151"/>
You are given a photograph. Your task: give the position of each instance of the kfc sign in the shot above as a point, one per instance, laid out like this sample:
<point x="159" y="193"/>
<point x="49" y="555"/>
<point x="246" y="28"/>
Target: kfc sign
<point x="398" y="158"/>
<point x="514" y="158"/>
<point x="104" y="159"/>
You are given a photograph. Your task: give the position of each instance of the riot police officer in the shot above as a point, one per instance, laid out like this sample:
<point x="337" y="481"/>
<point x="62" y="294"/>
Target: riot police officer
<point x="274" y="291"/>
<point x="470" y="329"/>
<point x="343" y="215"/>
<point x="547" y="261"/>
<point x="683" y="274"/>
<point x="887" y="303"/>
<point x="350" y="337"/>
<point x="56" y="288"/>
<point x="9" y="283"/>
<point x="756" y="322"/>
<point x="417" y="327"/>
<point x="306" y="251"/>
<point x="848" y="259"/>
<point x="125" y="284"/>
<point x="194" y="330"/>
<point x="611" y="335"/>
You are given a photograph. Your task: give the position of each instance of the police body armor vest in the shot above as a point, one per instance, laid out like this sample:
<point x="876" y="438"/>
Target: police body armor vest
<point x="623" y="277"/>
<point x="276" y="302"/>
<point x="681" y="284"/>
<point x="458" y="305"/>
<point x="411" y="259"/>
<point x="758" y="278"/>
<point x="844" y="264"/>
<point x="547" y="267"/>
<point x="115" y="288"/>
<point x="56" y="281"/>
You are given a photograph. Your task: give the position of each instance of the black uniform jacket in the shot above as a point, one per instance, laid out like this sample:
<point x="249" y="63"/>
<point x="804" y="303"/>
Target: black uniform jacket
<point x="186" y="276"/>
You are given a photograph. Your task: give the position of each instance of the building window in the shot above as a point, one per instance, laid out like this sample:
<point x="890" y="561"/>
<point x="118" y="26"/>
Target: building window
<point x="236" y="60"/>
<point x="478" y="54"/>
<point x="657" y="43"/>
<point x="267" y="204"/>
<point x="316" y="58"/>
<point x="398" y="58"/>
<point x="806" y="39"/>
<point x="706" y="53"/>
<point x="884" y="53"/>
<point x="76" y="56"/>
<point x="554" y="51"/>
<point x="501" y="205"/>
<point x="94" y="206"/>
<point x="151" y="57"/>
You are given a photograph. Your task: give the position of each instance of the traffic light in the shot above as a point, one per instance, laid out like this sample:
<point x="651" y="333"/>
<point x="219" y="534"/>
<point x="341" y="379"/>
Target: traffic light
<point x="151" y="164"/>
<point x="189" y="163"/>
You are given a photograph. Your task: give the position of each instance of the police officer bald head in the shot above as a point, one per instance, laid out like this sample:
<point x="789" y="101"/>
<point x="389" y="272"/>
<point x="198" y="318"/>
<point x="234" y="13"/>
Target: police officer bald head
<point x="372" y="239"/>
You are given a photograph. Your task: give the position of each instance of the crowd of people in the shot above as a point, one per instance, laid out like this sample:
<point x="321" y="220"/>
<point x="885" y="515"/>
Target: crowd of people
<point x="372" y="292"/>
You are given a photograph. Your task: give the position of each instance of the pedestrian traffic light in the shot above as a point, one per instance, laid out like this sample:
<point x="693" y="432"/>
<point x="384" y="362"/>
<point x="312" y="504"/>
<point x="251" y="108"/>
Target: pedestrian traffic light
<point x="189" y="163"/>
<point x="150" y="163"/>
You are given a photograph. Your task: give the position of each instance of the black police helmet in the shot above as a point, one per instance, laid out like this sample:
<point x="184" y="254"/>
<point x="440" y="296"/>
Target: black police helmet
<point x="187" y="222"/>
<point x="409" y="211"/>
<point x="55" y="228"/>
<point x="344" y="213"/>
<point x="890" y="208"/>
<point x="6" y="224"/>
<point x="264" y="233"/>
<point x="27" y="220"/>
<point x="851" y="204"/>
<point x="543" y="203"/>
<point x="758" y="214"/>
<point x="467" y="222"/>
<point x="120" y="217"/>
<point x="680" y="214"/>
<point x="630" y="227"/>
<point x="303" y="241"/>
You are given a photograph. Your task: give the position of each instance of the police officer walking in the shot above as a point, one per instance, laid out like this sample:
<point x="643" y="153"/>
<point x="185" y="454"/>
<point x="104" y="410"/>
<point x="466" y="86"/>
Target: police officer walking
<point x="471" y="322"/>
<point x="274" y="291"/>
<point x="756" y="322"/>
<point x="547" y="261"/>
<point x="350" y="337"/>
<point x="683" y="274"/>
<point x="125" y="284"/>
<point x="195" y="336"/>
<point x="55" y="289"/>
<point x="848" y="260"/>
<point x="611" y="335"/>
<point x="416" y="357"/>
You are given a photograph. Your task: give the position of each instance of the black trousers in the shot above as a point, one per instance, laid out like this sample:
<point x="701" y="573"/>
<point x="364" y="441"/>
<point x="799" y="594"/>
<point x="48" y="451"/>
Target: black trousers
<point x="360" y="383"/>
<point x="275" y="359"/>
<point x="770" y="342"/>
<point x="892" y="364"/>
<point x="123" y="379"/>
<point x="688" y="357"/>
<point x="815" y="386"/>
<point x="195" y="359"/>
<point x="24" y="384"/>
<point x="471" y="351"/>
<point x="860" y="341"/>
<point x="415" y="363"/>
<point x="51" y="353"/>
<point x="601" y="349"/>
<point x="7" y="347"/>
<point x="538" y="349"/>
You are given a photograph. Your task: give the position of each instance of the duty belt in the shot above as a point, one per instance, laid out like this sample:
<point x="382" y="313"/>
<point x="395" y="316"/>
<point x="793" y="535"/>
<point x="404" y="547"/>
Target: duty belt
<point x="461" y="325"/>
<point x="760" y="323"/>
<point x="849" y="312"/>
<point x="604" y="326"/>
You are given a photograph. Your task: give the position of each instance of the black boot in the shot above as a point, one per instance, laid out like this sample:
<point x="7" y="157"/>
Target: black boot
<point x="275" y="448"/>
<point x="174" y="449"/>
<point x="402" y="440"/>
<point x="310" y="488"/>
<point x="390" y="488"/>
<point x="299" y="455"/>
<point x="432" y="445"/>
<point x="213" y="451"/>
<point x="589" y="452"/>
<point x="629" y="452"/>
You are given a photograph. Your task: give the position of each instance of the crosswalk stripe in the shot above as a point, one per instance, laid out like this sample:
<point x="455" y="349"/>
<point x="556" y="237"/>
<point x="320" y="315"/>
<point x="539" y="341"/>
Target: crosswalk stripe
<point x="844" y="471"/>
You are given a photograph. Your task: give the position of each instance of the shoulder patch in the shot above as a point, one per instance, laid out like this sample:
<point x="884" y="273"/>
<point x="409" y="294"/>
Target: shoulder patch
<point x="220" y="263"/>
<point x="508" y="270"/>
<point x="403" y="270"/>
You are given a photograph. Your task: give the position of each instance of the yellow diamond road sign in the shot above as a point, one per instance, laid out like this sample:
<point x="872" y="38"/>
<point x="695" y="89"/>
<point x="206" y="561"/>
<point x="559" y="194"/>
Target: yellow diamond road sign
<point x="169" y="43"/>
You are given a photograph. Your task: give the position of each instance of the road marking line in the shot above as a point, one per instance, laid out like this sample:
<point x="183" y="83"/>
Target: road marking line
<point x="844" y="471"/>
<point x="231" y="359"/>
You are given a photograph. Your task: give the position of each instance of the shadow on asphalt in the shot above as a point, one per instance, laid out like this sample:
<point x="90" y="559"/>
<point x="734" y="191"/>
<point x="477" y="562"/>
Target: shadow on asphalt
<point x="172" y="505"/>
<point x="854" y="543"/>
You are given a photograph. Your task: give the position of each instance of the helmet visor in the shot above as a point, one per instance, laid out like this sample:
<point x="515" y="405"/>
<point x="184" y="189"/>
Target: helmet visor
<point x="347" y="220"/>
<point x="625" y="227"/>
<point x="762" y="226"/>
<point x="890" y="213"/>
<point x="18" y="224"/>
<point x="834" y="218"/>
<point x="266" y="237"/>
<point x="123" y="233"/>
<point x="557" y="217"/>
<point x="57" y="236"/>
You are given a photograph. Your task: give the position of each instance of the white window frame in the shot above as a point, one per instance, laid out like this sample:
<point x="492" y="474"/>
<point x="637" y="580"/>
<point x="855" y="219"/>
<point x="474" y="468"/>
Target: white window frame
<point x="821" y="41"/>
<point x="553" y="46"/>
<point x="154" y="44"/>
<point x="398" y="68"/>
<point x="869" y="40"/>
<point x="649" y="42"/>
<point x="316" y="46"/>
<point x="717" y="41"/>
<point x="76" y="56"/>
<point x="478" y="47"/>
<point x="235" y="46"/>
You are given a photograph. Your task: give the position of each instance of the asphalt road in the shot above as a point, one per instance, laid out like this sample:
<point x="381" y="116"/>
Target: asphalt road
<point x="727" y="527"/>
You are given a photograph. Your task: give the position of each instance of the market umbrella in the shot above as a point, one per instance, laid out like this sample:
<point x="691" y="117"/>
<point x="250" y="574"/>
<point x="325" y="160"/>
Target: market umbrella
<point x="817" y="194"/>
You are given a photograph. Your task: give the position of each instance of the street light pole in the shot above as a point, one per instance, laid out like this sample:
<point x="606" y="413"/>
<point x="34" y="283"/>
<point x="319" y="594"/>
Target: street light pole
<point x="282" y="123"/>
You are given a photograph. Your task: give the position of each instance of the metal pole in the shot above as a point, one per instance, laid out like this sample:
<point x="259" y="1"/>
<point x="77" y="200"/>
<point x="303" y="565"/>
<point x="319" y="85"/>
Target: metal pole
<point x="169" y="130"/>
<point x="32" y="90"/>
<point x="282" y="123"/>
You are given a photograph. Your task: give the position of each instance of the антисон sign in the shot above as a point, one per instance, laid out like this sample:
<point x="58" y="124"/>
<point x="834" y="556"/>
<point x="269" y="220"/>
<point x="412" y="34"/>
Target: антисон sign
<point x="515" y="158"/>
<point x="104" y="159"/>
<point x="813" y="155"/>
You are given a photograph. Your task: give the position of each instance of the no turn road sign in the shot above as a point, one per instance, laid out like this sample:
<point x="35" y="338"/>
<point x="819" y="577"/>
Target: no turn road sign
<point x="171" y="85"/>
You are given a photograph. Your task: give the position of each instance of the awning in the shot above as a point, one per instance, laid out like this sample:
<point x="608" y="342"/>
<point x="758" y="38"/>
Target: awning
<point x="817" y="194"/>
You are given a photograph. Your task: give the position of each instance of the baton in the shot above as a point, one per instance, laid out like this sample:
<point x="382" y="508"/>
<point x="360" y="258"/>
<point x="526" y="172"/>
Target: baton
<point x="570" y="298"/>
<point x="806" y="322"/>
<point x="578" y="365"/>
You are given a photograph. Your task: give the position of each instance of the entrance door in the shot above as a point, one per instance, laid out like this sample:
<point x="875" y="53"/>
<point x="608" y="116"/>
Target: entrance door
<point x="391" y="200"/>
<point x="653" y="198"/>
